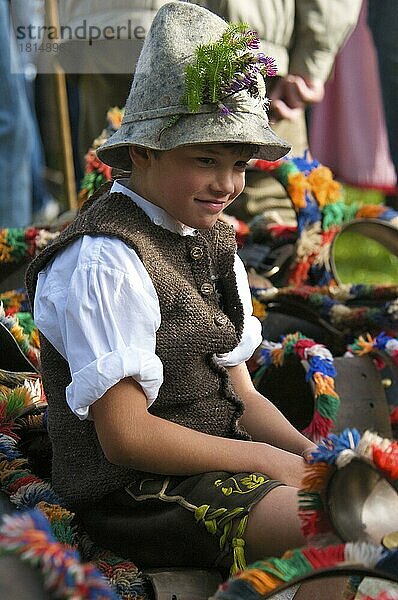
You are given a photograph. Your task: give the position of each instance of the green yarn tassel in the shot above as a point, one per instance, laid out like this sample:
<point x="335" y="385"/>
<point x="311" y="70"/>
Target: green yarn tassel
<point x="351" y="211"/>
<point x="328" y="406"/>
<point x="289" y="348"/>
<point x="356" y="346"/>
<point x="285" y="569"/>
<point x="283" y="171"/>
<point x="316" y="299"/>
<point x="26" y="321"/>
<point x="92" y="181"/>
<point x="64" y="532"/>
<point x="333" y="215"/>
<point x="14" y="402"/>
<point x="17" y="243"/>
<point x="309" y="500"/>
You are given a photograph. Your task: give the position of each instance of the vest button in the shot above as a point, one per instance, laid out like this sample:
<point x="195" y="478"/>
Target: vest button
<point x="206" y="289"/>
<point x="220" y="320"/>
<point x="196" y="252"/>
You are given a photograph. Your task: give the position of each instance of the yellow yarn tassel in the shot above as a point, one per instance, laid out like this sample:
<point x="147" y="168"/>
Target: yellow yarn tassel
<point x="54" y="511"/>
<point x="277" y="356"/>
<point x="323" y="186"/>
<point x="316" y="476"/>
<point x="262" y="582"/>
<point x="296" y="188"/>
<point x="366" y="345"/>
<point x="324" y="385"/>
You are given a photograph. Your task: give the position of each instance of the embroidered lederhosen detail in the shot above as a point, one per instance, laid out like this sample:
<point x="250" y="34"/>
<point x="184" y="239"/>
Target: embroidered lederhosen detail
<point x="220" y="501"/>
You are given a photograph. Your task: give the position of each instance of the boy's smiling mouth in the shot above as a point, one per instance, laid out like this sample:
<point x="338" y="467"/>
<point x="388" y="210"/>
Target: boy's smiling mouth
<point x="212" y="205"/>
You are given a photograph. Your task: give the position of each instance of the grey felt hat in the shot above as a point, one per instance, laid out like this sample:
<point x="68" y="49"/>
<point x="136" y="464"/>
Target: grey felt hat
<point x="156" y="115"/>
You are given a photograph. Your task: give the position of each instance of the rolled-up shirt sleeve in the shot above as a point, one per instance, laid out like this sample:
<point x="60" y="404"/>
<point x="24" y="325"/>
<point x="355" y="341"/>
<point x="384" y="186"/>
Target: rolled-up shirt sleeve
<point x="107" y="321"/>
<point x="251" y="335"/>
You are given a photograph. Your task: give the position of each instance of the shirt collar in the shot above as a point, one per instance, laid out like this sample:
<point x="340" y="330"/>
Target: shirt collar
<point x="157" y="214"/>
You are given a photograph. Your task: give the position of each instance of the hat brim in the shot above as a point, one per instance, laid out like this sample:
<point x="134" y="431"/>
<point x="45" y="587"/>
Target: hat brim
<point x="200" y="128"/>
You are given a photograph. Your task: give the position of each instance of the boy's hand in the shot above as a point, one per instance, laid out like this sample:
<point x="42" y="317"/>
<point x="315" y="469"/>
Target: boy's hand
<point x="307" y="454"/>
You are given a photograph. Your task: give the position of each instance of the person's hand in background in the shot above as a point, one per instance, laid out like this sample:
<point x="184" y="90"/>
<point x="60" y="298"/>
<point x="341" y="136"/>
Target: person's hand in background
<point x="291" y="94"/>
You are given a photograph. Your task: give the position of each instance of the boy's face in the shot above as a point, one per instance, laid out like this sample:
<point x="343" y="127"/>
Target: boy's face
<point x="194" y="184"/>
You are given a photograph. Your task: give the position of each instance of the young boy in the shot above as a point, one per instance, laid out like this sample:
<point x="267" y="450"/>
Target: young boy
<point x="160" y="441"/>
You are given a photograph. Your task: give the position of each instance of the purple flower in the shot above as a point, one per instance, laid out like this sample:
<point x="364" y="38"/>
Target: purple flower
<point x="224" y="110"/>
<point x="269" y="63"/>
<point x="253" y="42"/>
<point x="235" y="85"/>
<point x="247" y="80"/>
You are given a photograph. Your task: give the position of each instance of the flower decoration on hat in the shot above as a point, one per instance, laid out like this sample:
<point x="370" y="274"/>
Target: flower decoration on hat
<point x="226" y="67"/>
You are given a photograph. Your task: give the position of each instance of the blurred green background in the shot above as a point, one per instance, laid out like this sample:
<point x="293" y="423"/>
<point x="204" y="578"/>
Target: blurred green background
<point x="359" y="259"/>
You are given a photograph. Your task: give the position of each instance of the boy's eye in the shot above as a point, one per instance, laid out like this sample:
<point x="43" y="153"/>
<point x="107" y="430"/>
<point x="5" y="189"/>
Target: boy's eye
<point x="205" y="160"/>
<point x="242" y="164"/>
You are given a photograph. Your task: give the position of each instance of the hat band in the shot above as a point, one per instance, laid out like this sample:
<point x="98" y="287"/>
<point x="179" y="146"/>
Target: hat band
<point x="235" y="103"/>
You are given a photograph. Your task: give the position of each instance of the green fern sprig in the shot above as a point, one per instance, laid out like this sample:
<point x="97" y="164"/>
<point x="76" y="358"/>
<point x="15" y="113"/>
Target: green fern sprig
<point x="215" y="65"/>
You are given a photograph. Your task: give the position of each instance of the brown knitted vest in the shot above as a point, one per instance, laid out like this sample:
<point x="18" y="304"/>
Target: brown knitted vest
<point x="201" y="314"/>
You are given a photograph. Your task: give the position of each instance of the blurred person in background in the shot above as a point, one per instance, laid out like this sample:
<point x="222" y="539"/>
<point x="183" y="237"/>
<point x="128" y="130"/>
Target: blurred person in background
<point x="102" y="50"/>
<point x="383" y="23"/>
<point x="16" y="132"/>
<point x="30" y="13"/>
<point x="304" y="36"/>
<point x="347" y="129"/>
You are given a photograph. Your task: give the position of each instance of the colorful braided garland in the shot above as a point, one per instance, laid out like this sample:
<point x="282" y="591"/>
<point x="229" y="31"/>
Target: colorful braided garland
<point x="332" y="304"/>
<point x="15" y="301"/>
<point x="22" y="328"/>
<point x="381" y="345"/>
<point x="96" y="172"/>
<point x="338" y="451"/>
<point x="53" y="551"/>
<point x="321" y="212"/>
<point x="19" y="244"/>
<point x="29" y="536"/>
<point x="321" y="371"/>
<point x="263" y="577"/>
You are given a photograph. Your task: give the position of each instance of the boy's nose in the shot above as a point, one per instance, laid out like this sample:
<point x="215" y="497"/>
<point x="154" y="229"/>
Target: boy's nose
<point x="223" y="184"/>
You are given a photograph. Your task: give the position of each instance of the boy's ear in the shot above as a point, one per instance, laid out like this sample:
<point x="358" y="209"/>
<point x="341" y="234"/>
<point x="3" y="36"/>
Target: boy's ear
<point x="140" y="156"/>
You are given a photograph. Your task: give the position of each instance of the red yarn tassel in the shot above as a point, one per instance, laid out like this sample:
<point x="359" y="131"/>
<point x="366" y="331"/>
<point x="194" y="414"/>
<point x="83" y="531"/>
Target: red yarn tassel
<point x="394" y="416"/>
<point x="324" y="557"/>
<point x="320" y="427"/>
<point x="314" y="523"/>
<point x="266" y="165"/>
<point x="387" y="460"/>
<point x="301" y="345"/>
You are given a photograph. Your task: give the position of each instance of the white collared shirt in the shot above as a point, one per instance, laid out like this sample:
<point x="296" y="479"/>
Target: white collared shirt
<point x="97" y="305"/>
